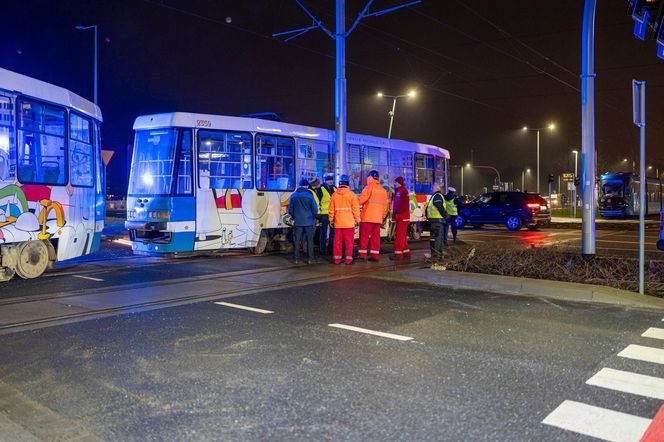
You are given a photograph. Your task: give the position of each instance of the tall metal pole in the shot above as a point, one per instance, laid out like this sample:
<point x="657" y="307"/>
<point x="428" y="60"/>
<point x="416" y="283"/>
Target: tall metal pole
<point x="394" y="106"/>
<point x="576" y="158"/>
<point x="538" y="162"/>
<point x="588" y="129"/>
<point x="639" y="101"/>
<point x="462" y="181"/>
<point x="96" y="44"/>
<point x="340" y="87"/>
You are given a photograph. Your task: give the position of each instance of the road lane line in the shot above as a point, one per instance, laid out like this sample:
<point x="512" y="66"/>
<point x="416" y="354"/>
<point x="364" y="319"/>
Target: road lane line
<point x="627" y="382"/>
<point x="597" y="422"/>
<point x="655" y="333"/>
<point x="642" y="353"/>
<point x="371" y="332"/>
<point x="88" y="278"/>
<point x="244" y="307"/>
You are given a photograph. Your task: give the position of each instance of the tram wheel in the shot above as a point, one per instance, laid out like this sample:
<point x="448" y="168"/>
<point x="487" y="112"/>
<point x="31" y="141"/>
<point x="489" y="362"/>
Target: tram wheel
<point x="262" y="243"/>
<point x="6" y="273"/>
<point x="32" y="259"/>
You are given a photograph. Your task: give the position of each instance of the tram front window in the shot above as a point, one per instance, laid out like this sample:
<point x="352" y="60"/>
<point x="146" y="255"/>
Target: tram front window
<point x="152" y="162"/>
<point x="612" y="188"/>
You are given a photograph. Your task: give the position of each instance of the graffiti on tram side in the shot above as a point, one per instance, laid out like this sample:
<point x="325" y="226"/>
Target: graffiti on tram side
<point x="38" y="212"/>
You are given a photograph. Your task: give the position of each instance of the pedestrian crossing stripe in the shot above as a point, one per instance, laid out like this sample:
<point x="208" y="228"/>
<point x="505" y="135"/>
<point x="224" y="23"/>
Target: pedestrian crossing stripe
<point x="597" y="422"/>
<point x="627" y="382"/>
<point x="643" y="353"/>
<point x="655" y="333"/>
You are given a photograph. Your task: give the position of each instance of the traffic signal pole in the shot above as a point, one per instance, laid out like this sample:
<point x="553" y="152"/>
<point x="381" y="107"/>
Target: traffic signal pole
<point x="588" y="130"/>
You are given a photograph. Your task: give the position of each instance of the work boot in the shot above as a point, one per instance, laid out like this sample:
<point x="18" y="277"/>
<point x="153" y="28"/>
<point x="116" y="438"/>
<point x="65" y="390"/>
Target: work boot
<point x="296" y="261"/>
<point x="311" y="261"/>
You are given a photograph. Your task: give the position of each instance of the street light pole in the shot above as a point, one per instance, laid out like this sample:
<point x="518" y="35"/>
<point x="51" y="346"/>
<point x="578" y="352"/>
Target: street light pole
<point x="462" y="181"/>
<point x="394" y="107"/>
<point x="538" y="129"/>
<point x="93" y="27"/>
<point x="576" y="158"/>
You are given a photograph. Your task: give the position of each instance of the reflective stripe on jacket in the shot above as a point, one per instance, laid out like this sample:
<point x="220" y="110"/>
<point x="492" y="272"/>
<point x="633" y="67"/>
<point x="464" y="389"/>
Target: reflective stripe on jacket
<point x="344" y="209"/>
<point x="374" y="202"/>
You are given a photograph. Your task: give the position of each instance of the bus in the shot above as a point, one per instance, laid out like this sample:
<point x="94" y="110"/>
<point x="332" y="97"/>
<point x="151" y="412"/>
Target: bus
<point x="619" y="195"/>
<point x="205" y="183"/>
<point x="51" y="176"/>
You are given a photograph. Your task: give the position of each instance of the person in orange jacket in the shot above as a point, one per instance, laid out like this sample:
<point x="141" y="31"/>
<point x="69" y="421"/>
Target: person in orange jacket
<point x="344" y="214"/>
<point x="374" y="202"/>
<point x="401" y="219"/>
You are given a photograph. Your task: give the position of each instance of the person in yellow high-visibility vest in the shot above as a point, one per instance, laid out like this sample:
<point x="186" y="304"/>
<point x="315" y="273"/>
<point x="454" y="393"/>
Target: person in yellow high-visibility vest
<point x="325" y="193"/>
<point x="451" y="203"/>
<point x="436" y="214"/>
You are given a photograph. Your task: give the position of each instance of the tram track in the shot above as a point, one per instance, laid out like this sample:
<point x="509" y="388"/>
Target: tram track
<point x="240" y="283"/>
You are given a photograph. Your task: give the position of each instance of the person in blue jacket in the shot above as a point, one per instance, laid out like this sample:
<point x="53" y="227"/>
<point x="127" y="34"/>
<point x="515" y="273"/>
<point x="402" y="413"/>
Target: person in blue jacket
<point x="303" y="209"/>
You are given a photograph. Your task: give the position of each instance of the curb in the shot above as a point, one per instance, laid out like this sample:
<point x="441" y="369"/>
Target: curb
<point x="510" y="285"/>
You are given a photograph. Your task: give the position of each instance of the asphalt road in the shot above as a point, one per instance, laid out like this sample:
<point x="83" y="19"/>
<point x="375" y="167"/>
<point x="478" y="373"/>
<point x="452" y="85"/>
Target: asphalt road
<point x="478" y="367"/>
<point x="115" y="265"/>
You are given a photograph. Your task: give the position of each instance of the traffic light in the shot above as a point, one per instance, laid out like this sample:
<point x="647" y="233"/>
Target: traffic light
<point x="550" y="178"/>
<point x="577" y="181"/>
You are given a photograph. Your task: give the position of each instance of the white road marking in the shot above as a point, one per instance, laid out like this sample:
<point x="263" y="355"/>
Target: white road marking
<point x="87" y="277"/>
<point x="371" y="332"/>
<point x="597" y="422"/>
<point x="627" y="382"/>
<point x="244" y="307"/>
<point x="655" y="333"/>
<point x="124" y="242"/>
<point x="642" y="353"/>
<point x="553" y="304"/>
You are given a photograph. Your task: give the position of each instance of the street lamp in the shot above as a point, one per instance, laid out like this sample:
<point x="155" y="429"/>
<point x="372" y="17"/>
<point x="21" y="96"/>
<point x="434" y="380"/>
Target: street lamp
<point x="523" y="179"/>
<point x="85" y="28"/>
<point x="394" y="98"/>
<point x="551" y="126"/>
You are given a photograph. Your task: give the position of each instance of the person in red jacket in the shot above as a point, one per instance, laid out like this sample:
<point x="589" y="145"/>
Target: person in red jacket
<point x="401" y="219"/>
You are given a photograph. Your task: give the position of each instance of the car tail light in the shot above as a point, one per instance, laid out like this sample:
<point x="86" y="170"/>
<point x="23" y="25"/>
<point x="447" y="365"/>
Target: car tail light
<point x="533" y="205"/>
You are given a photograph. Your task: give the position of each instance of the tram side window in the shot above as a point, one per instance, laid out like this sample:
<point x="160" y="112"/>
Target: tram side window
<point x="355" y="167"/>
<point x="183" y="184"/>
<point x="7" y="160"/>
<point x="41" y="144"/>
<point x="441" y="172"/>
<point x="100" y="169"/>
<point x="401" y="164"/>
<point x="224" y="160"/>
<point x="375" y="158"/>
<point x="274" y="163"/>
<point x="424" y="165"/>
<point x="313" y="159"/>
<point x="81" y="152"/>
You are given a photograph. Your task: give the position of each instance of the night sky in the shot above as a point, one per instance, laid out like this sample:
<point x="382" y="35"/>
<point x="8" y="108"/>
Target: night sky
<point x="482" y="69"/>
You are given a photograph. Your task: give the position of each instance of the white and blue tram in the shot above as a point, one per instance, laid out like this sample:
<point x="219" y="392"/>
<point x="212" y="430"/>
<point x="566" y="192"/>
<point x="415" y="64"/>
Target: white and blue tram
<point x="619" y="195"/>
<point x="52" y="192"/>
<point x="204" y="183"/>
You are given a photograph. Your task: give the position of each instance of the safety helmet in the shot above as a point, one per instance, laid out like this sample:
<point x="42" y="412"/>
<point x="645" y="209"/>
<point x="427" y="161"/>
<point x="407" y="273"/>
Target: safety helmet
<point x="374" y="173"/>
<point x="344" y="180"/>
<point x="328" y="176"/>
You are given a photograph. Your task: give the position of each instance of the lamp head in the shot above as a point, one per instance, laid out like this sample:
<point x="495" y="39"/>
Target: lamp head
<point x="379" y="94"/>
<point x="575" y="151"/>
<point x="524" y="128"/>
<point x="551" y="126"/>
<point x="527" y="170"/>
<point x="468" y="165"/>
<point x="412" y="93"/>
<point x="80" y="28"/>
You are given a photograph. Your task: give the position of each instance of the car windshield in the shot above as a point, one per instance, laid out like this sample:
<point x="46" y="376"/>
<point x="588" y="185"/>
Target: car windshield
<point x="612" y="188"/>
<point x="482" y="199"/>
<point x="152" y="162"/>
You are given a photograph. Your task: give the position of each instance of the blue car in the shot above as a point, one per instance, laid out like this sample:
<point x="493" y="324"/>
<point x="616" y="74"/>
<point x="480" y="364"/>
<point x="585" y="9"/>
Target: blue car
<point x="660" y="243"/>
<point x="511" y="209"/>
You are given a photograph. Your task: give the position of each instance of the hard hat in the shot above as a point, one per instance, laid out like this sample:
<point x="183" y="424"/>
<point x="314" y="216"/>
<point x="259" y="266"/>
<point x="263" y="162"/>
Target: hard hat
<point x="314" y="181"/>
<point x="344" y="179"/>
<point x="328" y="176"/>
<point x="304" y="182"/>
<point x="374" y="173"/>
<point x="451" y="189"/>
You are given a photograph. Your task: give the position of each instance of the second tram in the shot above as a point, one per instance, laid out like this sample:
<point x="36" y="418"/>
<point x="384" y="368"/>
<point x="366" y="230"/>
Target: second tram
<point x="619" y="195"/>
<point x="211" y="182"/>
<point x="51" y="176"/>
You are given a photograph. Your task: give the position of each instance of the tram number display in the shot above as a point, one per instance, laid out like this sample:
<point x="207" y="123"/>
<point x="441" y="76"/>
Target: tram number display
<point x="203" y="123"/>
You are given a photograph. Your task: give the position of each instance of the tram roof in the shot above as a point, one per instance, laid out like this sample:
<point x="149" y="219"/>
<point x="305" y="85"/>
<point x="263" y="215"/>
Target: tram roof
<point x="186" y="119"/>
<point x="22" y="84"/>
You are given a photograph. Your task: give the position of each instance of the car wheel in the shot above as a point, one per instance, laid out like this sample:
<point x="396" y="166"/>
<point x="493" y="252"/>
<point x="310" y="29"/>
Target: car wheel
<point x="460" y="222"/>
<point x="660" y="244"/>
<point x="513" y="222"/>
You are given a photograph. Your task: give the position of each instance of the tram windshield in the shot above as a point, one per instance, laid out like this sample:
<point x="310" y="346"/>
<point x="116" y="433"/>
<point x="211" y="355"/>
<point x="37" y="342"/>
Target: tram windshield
<point x="612" y="188"/>
<point x="153" y="162"/>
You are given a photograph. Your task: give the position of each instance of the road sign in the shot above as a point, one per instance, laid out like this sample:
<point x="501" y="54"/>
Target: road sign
<point x="568" y="177"/>
<point x="571" y="186"/>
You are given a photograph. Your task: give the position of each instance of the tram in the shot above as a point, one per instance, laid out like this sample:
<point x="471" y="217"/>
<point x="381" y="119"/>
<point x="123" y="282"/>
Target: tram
<point x="204" y="183"/>
<point x="619" y="195"/>
<point x="51" y="176"/>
